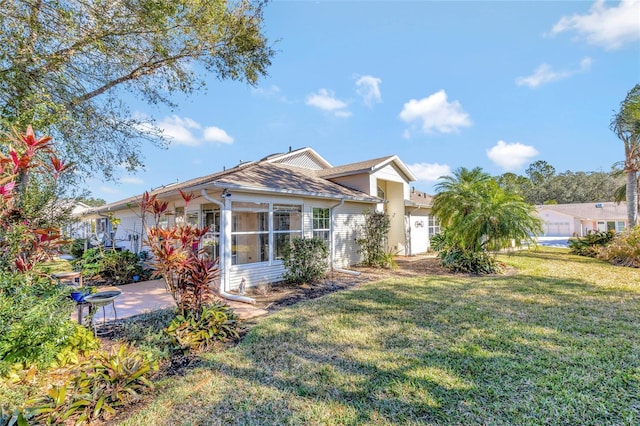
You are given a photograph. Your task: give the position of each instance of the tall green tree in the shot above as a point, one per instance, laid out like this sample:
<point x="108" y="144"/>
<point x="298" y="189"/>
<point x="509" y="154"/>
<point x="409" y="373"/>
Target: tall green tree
<point x="626" y="125"/>
<point x="65" y="66"/>
<point x="479" y="215"/>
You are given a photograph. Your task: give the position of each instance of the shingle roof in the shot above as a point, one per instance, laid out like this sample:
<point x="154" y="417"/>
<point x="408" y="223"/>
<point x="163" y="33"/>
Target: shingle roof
<point x="595" y="211"/>
<point x="419" y="198"/>
<point x="282" y="178"/>
<point x="262" y="176"/>
<point x="352" y="168"/>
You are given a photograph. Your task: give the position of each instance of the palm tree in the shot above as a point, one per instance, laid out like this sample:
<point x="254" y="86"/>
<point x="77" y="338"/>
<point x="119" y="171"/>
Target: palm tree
<point x="626" y="125"/>
<point x="479" y="215"/>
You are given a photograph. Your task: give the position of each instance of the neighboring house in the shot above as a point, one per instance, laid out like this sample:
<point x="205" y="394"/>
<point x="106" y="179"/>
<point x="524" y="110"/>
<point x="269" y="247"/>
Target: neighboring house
<point x="255" y="208"/>
<point x="580" y="219"/>
<point x="77" y="228"/>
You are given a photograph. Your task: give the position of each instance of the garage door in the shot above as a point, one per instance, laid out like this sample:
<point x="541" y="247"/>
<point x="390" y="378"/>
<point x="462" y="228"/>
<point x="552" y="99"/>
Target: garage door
<point x="556" y="229"/>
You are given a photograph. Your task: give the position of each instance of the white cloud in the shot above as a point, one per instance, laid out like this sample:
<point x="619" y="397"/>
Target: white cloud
<point x="343" y="113"/>
<point x="608" y="27"/>
<point x="430" y="172"/>
<point x="188" y="132"/>
<point x="216" y="134"/>
<point x="131" y="180"/>
<point x="369" y="88"/>
<point x="545" y="74"/>
<point x="109" y="190"/>
<point x="271" y="92"/>
<point x="326" y="101"/>
<point x="178" y="129"/>
<point x="436" y="113"/>
<point x="511" y="156"/>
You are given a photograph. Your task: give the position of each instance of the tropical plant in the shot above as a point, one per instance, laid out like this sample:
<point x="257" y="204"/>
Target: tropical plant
<point x="217" y="322"/>
<point x="480" y="216"/>
<point x="591" y="244"/>
<point x="29" y="169"/>
<point x="305" y="260"/>
<point x="623" y="249"/>
<point x="100" y="386"/>
<point x="373" y="239"/>
<point x="626" y="125"/>
<point x="179" y="259"/>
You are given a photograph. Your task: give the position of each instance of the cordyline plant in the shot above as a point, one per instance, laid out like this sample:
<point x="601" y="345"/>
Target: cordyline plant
<point x="187" y="271"/>
<point x="23" y="242"/>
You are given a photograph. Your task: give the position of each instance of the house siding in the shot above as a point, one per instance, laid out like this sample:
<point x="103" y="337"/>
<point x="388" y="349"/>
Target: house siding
<point x="255" y="274"/>
<point x="347" y="221"/>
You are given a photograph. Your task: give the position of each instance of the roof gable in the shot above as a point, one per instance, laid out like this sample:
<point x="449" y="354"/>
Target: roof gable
<point x="305" y="158"/>
<point x="368" y="166"/>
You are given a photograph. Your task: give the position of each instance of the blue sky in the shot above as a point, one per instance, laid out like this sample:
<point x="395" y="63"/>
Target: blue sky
<point x="442" y="85"/>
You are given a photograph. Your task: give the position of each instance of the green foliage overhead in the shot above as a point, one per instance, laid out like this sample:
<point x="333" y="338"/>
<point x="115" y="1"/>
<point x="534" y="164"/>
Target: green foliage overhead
<point x="479" y="215"/>
<point x="64" y="66"/>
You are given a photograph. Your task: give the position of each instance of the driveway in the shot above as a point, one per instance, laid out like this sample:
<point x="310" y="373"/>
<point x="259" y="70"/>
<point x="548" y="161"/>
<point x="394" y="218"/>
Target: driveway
<point x="554" y="241"/>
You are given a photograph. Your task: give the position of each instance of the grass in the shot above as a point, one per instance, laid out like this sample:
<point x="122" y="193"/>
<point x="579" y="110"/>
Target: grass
<point x="556" y="343"/>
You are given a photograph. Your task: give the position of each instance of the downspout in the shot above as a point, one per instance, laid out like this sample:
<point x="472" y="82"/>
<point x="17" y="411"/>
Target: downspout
<point x="224" y="278"/>
<point x="332" y="248"/>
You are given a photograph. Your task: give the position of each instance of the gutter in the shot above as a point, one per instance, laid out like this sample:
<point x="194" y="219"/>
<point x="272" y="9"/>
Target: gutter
<point x="224" y="280"/>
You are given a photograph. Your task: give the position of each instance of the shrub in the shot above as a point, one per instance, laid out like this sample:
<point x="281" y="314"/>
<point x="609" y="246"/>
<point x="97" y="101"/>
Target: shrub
<point x="456" y="259"/>
<point x="305" y="260"/>
<point x="374" y="239"/>
<point x="117" y="266"/>
<point x="624" y="249"/>
<point x="216" y="322"/>
<point x="147" y="332"/>
<point x="466" y="261"/>
<point x="35" y="321"/>
<point x="77" y="247"/>
<point x="590" y="244"/>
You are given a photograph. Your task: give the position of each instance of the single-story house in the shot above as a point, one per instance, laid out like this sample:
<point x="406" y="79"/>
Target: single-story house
<point x="254" y="209"/>
<point x="579" y="219"/>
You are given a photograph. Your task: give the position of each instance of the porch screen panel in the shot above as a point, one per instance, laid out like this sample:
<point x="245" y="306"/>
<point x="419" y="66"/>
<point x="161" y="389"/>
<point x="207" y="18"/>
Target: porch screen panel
<point x="249" y="233"/>
<point x="211" y="240"/>
<point x="287" y="224"/>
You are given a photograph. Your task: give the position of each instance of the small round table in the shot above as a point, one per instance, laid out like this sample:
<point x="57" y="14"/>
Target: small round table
<point x="102" y="299"/>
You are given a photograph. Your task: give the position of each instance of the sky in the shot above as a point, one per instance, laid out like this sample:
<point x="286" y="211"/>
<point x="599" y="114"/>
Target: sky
<point x="497" y="85"/>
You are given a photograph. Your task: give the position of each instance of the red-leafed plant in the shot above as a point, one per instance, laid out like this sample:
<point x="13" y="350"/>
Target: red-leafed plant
<point x="187" y="271"/>
<point x="26" y="239"/>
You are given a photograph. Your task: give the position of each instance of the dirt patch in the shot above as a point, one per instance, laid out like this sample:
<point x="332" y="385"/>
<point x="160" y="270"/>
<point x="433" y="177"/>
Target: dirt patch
<point x="279" y="295"/>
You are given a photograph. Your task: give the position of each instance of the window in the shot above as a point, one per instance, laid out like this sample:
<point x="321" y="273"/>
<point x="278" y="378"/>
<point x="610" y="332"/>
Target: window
<point x="249" y="233"/>
<point x="621" y="226"/>
<point x="434" y="226"/>
<point x="321" y="224"/>
<point x="287" y="224"/>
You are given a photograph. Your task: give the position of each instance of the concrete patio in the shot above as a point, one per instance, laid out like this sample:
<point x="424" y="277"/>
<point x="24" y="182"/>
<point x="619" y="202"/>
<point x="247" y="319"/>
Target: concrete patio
<point x="147" y="296"/>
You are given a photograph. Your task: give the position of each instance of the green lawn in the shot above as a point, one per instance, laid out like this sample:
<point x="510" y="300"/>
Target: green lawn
<point x="558" y="342"/>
